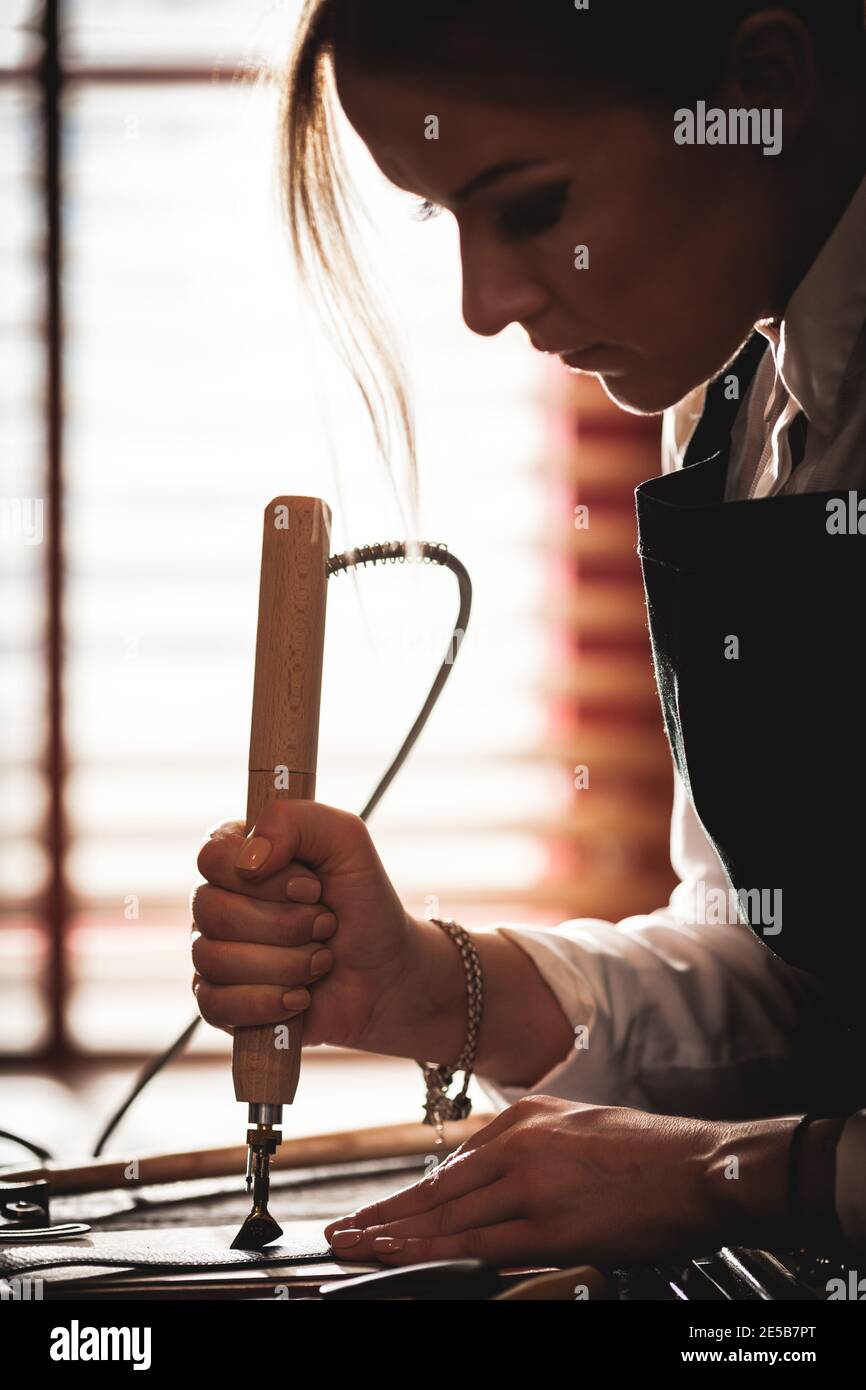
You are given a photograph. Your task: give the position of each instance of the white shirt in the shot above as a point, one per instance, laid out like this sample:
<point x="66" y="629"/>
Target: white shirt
<point x="673" y="1015"/>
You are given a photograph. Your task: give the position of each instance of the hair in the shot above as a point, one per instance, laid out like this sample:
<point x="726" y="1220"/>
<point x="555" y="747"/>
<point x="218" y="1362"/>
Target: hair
<point x="672" y="52"/>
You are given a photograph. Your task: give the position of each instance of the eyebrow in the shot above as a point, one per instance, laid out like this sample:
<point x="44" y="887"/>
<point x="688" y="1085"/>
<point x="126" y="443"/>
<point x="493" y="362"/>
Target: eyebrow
<point x="492" y="175"/>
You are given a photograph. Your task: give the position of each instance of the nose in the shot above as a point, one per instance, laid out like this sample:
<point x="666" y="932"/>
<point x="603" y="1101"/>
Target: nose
<point x="499" y="288"/>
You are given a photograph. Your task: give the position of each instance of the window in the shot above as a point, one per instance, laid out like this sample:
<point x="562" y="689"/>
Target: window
<point x="140" y="216"/>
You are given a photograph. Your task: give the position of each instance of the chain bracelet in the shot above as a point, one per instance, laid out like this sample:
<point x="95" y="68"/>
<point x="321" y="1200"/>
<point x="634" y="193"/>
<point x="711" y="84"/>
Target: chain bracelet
<point x="439" y="1106"/>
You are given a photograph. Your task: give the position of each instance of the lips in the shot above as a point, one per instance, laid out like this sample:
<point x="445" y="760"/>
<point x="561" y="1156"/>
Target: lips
<point x="599" y="357"/>
<point x="595" y="357"/>
<point x="582" y="352"/>
<point x="554" y="351"/>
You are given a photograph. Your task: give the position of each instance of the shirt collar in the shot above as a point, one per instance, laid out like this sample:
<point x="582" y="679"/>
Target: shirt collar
<point x="813" y="342"/>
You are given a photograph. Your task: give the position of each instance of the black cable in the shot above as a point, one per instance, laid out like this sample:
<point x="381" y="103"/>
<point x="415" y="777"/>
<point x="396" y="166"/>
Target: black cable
<point x="394" y="551"/>
<point x="26" y="1144"/>
<point x="385" y="551"/>
<point x="150" y="1071"/>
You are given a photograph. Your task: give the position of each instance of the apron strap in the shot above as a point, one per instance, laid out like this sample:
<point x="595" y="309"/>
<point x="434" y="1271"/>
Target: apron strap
<point x="717" y="420"/>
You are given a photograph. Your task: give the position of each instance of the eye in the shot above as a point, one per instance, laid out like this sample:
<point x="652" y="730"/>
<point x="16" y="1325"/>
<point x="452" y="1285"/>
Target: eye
<point x="425" y="209"/>
<point x="533" y="214"/>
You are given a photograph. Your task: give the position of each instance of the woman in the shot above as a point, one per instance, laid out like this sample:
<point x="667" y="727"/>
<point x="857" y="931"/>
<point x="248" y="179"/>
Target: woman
<point x="722" y="279"/>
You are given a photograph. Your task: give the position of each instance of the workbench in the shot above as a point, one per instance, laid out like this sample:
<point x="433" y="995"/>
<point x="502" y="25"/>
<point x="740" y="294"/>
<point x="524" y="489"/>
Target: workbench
<point x="204" y="1214"/>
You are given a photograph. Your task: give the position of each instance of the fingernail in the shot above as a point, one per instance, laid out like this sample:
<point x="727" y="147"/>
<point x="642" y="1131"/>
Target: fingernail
<point x="341" y="1240"/>
<point x="346" y="1223"/>
<point x="320" y="962"/>
<point x="324" y="926"/>
<point x="388" y="1245"/>
<point x="303" y="890"/>
<point x="296" y="999"/>
<point x="253" y="853"/>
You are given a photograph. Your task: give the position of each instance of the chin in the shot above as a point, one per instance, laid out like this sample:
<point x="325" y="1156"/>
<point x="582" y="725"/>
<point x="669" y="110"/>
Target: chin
<point x="643" y="395"/>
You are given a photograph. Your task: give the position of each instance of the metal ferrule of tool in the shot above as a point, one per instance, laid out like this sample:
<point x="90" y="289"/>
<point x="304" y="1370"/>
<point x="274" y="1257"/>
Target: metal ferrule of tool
<point x="262" y="1141"/>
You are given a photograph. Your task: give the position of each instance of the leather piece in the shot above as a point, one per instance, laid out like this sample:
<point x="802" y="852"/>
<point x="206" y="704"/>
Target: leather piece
<point x="186" y="1249"/>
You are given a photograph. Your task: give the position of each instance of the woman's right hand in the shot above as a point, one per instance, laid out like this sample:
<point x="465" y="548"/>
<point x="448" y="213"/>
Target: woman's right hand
<point x="300" y="916"/>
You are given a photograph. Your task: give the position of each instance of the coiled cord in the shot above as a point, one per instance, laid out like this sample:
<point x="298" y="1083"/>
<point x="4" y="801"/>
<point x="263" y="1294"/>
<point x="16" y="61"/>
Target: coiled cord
<point x="428" y="553"/>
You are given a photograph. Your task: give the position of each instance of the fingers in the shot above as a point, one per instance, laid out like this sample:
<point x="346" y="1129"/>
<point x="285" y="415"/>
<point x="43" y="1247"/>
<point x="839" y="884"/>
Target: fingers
<point x="243" y="1006"/>
<point x="196" y="988"/>
<point x="254" y="956"/>
<point x="308" y="831"/>
<point x="217" y="863"/>
<point x="468" y="1208"/>
<point x="236" y="963"/>
<point x="239" y="941"/>
<point x="488" y="1206"/>
<point x="455" y="1178"/>
<point x="505" y="1243"/>
<point x="225" y="916"/>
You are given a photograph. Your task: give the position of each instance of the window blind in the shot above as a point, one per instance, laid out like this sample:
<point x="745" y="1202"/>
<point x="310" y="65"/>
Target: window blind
<point x="197" y="386"/>
<point x="23" y="1017"/>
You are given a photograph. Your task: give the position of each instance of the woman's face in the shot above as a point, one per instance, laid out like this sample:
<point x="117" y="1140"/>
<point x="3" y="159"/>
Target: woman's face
<point x="680" y="239"/>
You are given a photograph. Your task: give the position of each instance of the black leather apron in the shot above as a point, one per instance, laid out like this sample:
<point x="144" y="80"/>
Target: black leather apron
<point x="771" y="745"/>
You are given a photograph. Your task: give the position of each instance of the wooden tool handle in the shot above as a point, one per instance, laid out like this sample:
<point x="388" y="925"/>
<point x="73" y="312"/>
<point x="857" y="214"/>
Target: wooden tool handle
<point x="284" y="739"/>
<point x="383" y="1141"/>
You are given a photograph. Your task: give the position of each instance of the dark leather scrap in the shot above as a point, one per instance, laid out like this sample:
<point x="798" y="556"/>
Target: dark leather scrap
<point x="176" y="1249"/>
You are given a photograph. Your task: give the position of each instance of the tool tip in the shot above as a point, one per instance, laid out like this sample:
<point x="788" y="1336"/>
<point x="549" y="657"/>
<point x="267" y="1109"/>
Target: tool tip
<point x="256" y="1232"/>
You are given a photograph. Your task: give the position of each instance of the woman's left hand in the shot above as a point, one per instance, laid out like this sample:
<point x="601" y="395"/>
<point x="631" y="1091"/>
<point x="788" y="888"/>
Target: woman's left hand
<point x="554" y="1181"/>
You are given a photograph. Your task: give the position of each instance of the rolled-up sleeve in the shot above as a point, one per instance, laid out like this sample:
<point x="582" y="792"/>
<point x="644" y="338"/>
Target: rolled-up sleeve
<point x="675" y="1015"/>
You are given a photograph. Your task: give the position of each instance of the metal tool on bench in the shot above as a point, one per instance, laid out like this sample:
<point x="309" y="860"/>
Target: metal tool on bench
<point x="25" y="1213"/>
<point x="284" y="741"/>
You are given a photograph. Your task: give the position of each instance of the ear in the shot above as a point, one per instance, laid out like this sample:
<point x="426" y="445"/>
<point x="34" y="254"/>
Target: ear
<point x="772" y="63"/>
